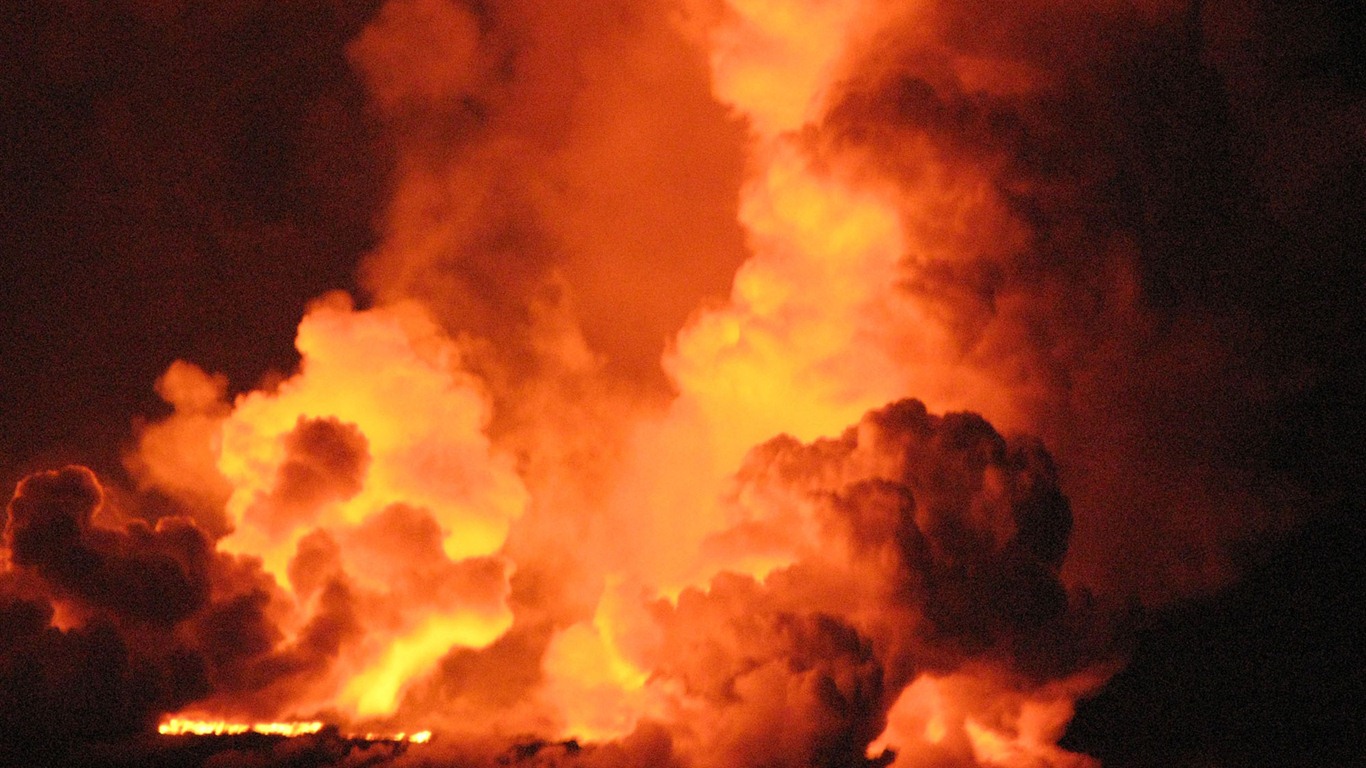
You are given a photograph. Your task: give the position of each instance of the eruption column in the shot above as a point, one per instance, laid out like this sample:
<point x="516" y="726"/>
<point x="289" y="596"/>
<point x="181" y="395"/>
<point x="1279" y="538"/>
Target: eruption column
<point x="761" y="577"/>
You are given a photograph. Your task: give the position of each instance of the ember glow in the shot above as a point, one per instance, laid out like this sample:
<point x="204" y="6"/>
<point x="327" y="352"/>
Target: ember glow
<point x="731" y="383"/>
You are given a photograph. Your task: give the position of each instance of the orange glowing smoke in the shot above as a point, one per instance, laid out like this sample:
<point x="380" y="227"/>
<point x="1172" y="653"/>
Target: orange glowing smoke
<point x="960" y="720"/>
<point x="368" y="468"/>
<point x="788" y="561"/>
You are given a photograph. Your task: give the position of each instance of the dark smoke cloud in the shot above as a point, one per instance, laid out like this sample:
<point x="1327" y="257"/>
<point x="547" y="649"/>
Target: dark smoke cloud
<point x="73" y="687"/>
<point x="106" y="629"/>
<point x="1149" y="264"/>
<point x="158" y="575"/>
<point x="92" y="681"/>
<point x="800" y="688"/>
<point x="953" y="533"/>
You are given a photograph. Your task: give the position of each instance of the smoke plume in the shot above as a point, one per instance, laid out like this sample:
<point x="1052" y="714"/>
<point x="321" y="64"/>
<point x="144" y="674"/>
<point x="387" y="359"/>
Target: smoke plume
<point x="726" y="383"/>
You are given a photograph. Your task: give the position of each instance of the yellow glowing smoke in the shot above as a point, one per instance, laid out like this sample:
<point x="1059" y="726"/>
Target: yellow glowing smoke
<point x="392" y="374"/>
<point x="374" y="691"/>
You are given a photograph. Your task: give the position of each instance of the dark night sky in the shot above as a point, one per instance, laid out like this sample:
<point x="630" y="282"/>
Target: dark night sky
<point x="180" y="189"/>
<point x="171" y="191"/>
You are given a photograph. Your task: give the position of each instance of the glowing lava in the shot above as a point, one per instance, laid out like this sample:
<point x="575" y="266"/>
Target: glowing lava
<point x="179" y="726"/>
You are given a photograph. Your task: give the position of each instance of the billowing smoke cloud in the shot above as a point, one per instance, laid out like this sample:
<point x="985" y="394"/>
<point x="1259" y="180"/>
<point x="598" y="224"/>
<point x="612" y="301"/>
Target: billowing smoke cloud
<point x="156" y="575"/>
<point x="1046" y="206"/>
<point x="110" y="625"/>
<point x="555" y="166"/>
<point x="554" y="494"/>
<point x="918" y="546"/>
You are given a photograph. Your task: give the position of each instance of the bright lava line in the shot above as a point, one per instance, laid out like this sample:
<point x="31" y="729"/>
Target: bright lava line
<point x="178" y="726"/>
